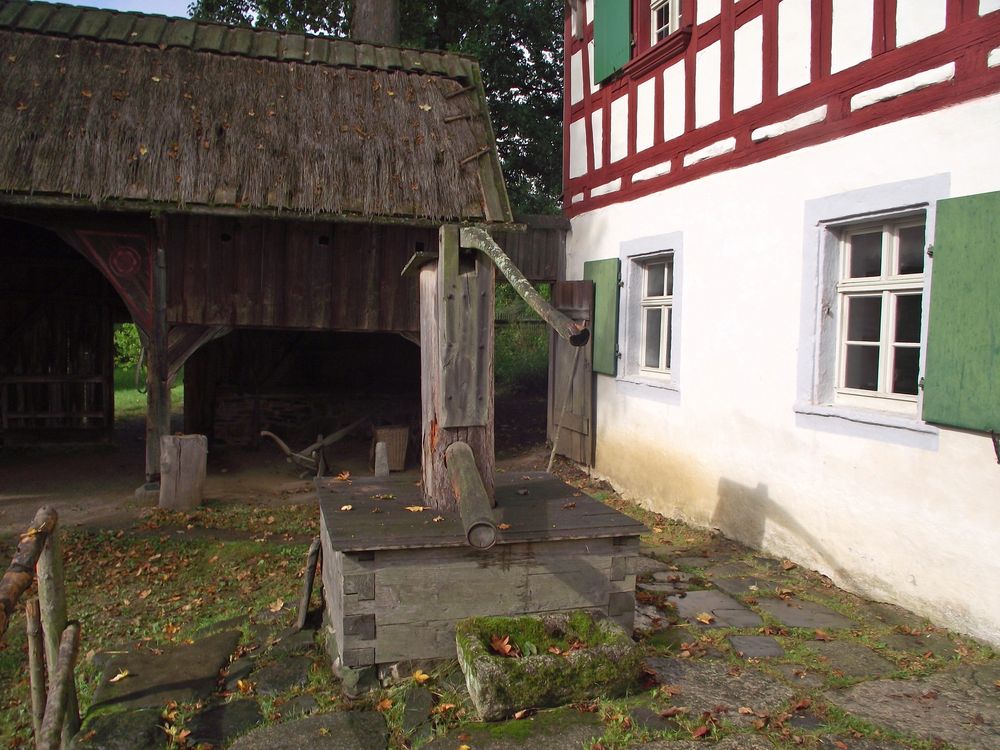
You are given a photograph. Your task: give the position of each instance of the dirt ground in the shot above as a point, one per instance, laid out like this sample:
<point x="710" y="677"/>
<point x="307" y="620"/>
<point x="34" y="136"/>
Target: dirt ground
<point x="94" y="486"/>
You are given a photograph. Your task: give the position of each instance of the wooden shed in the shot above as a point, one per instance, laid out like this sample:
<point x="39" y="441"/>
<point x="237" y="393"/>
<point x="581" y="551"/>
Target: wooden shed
<point x="248" y="198"/>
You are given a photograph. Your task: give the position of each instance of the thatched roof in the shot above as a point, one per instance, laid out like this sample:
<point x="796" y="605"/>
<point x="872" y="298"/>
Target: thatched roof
<point x="133" y="109"/>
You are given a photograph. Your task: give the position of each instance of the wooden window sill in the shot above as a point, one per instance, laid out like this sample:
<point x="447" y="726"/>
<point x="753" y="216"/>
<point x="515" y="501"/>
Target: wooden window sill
<point x="657" y="55"/>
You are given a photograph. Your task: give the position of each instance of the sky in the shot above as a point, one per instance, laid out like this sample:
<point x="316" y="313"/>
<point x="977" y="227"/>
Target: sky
<point x="163" y="7"/>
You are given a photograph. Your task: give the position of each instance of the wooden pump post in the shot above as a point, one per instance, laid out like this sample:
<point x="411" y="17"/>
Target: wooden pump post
<point x="474" y="504"/>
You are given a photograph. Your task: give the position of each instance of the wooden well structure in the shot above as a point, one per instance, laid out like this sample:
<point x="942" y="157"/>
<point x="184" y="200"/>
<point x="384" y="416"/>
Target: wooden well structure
<point x="235" y="191"/>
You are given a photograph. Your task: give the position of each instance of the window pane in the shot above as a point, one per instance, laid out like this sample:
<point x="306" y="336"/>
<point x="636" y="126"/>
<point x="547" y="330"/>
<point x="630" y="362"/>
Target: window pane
<point x="866" y="255"/>
<point x="911" y="250"/>
<point x="906" y="362"/>
<point x="651" y="353"/>
<point x="908" y="318"/>
<point x="669" y="263"/>
<point x="861" y="368"/>
<point x="864" y="318"/>
<point x="655" y="279"/>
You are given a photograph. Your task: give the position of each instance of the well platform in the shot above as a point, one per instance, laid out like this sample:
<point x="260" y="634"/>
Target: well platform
<point x="395" y="582"/>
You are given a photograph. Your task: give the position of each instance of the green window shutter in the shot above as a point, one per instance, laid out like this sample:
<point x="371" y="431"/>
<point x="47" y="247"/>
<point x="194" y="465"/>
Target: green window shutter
<point x="612" y="36"/>
<point x="962" y="379"/>
<point x="604" y="326"/>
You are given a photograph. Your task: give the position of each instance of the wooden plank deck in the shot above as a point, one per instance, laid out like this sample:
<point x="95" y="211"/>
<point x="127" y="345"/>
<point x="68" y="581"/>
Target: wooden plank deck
<point x="537" y="507"/>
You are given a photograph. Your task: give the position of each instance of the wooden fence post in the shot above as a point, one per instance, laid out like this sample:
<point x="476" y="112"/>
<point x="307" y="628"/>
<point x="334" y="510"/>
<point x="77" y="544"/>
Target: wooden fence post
<point x="52" y="603"/>
<point x="36" y="664"/>
<point x="182" y="471"/>
<point x="21" y="571"/>
<point x="62" y="691"/>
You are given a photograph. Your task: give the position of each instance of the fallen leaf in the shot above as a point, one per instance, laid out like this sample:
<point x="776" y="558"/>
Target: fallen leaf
<point x="671" y="690"/>
<point x="569" y="506"/>
<point x="554" y="650"/>
<point x="706" y="618"/>
<point x="440" y="708"/>
<point x="347" y="507"/>
<point x="420" y="677"/>
<point x="671" y="711"/>
<point x="503" y="646"/>
<point x="840" y="745"/>
<point x="343" y="476"/>
<point x="822" y="635"/>
<point x="788" y="565"/>
<point x="416" y="508"/>
<point x="745" y="710"/>
<point x="143" y="594"/>
<point x="437" y="519"/>
<point x="523" y="713"/>
<point x="245" y="687"/>
<point x="503" y="526"/>
<point x="276" y="605"/>
<point x="802" y="705"/>
<point x="383" y="496"/>
<point x="464" y="747"/>
<point x="657" y="530"/>
<point x="425" y="107"/>
<point x="122" y="674"/>
<point x="701" y="731"/>
<point x="383" y="705"/>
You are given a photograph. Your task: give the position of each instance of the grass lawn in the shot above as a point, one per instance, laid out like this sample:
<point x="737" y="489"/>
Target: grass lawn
<point x="131" y="403"/>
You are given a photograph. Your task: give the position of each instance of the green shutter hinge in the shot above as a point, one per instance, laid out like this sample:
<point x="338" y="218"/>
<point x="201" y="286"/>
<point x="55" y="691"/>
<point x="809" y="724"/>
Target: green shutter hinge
<point x="920" y="383"/>
<point x="930" y="251"/>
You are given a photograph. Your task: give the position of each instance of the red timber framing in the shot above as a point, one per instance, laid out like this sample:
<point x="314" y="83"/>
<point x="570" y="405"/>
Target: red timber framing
<point x="966" y="42"/>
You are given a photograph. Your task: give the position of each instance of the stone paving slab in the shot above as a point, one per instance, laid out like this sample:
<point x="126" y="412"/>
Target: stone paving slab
<point x="645" y="565"/>
<point x="756" y="646"/>
<point x="284" y="674"/>
<point x="797" y="613"/>
<point x="344" y="730"/>
<point x="707" y="685"/>
<point x="800" y="677"/>
<point x="851" y="659"/>
<point x="937" y="644"/>
<point x="137" y="729"/>
<point x="560" y="729"/>
<point x="185" y="673"/>
<point x="728" y="612"/>
<point x="960" y="706"/>
<point x="218" y="725"/>
<point x="733" y="742"/>
<point x="740" y="585"/>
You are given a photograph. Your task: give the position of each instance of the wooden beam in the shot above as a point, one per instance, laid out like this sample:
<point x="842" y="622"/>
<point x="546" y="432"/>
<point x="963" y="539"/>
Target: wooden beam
<point x="21" y="571"/>
<point x="158" y="361"/>
<point x="474" y="505"/>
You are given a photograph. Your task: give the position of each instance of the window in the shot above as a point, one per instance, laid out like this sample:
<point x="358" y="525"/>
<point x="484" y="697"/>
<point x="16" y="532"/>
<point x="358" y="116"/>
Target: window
<point x="665" y="19"/>
<point x="880" y="301"/>
<point x="656" y="312"/>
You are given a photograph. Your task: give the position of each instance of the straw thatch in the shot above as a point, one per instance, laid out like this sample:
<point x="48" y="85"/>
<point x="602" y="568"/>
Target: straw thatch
<point x="103" y="121"/>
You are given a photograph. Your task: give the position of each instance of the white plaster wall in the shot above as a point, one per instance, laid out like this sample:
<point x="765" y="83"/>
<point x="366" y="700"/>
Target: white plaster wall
<point x="644" y="117"/>
<point x="673" y="101"/>
<point x="619" y="128"/>
<point x="988" y="6"/>
<point x="578" y="147"/>
<point x="910" y="520"/>
<point x="576" y="78"/>
<point x="597" y="127"/>
<point x="707" y="84"/>
<point x="748" y="64"/>
<point x="851" y="37"/>
<point x="917" y="20"/>
<point x="794" y="44"/>
<point x="708" y="9"/>
<point x="594" y="86"/>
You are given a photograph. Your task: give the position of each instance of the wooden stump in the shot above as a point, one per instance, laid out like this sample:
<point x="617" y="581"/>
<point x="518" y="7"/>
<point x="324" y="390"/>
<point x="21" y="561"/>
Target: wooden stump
<point x="182" y="471"/>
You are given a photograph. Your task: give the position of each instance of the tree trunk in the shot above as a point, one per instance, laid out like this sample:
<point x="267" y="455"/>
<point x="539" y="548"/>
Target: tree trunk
<point x="375" y="21"/>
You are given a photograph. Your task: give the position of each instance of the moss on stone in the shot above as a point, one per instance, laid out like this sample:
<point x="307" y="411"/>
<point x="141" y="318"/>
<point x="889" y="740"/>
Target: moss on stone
<point x="607" y="665"/>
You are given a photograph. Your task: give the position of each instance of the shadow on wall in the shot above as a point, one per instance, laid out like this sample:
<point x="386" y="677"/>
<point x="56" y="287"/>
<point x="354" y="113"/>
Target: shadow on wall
<point x="743" y="513"/>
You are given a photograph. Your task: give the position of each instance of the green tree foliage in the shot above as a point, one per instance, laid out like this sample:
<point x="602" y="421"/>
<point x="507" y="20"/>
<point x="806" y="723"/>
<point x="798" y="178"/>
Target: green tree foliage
<point x="520" y="48"/>
<point x="127" y="345"/>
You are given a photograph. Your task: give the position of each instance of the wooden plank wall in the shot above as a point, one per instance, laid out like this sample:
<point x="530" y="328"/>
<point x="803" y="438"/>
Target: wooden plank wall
<point x="286" y="274"/>
<point x="56" y="312"/>
<point x="540" y="251"/>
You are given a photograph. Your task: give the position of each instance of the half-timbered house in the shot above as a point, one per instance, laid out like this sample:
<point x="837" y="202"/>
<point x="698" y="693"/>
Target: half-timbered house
<point x="788" y="210"/>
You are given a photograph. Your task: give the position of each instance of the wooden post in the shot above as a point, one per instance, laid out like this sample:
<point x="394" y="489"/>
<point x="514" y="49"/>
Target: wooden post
<point x="157" y="365"/>
<point x="456" y="365"/>
<point x="36" y="664"/>
<point x="61" y="702"/>
<point x="52" y="604"/>
<point x="473" y="503"/>
<point x="21" y="571"/>
<point x="182" y="471"/>
<point x="312" y="559"/>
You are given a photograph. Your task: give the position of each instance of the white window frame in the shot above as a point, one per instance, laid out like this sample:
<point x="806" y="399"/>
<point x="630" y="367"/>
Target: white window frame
<point x="662" y="302"/>
<point x="633" y="379"/>
<point x="887" y="286"/>
<point x="674" y="16"/>
<point x="816" y="405"/>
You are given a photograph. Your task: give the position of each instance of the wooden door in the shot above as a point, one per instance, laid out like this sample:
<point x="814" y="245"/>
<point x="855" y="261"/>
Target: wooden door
<point x="576" y="440"/>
